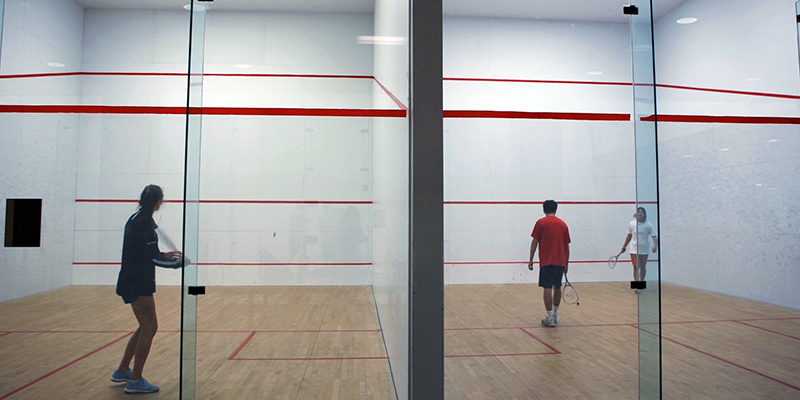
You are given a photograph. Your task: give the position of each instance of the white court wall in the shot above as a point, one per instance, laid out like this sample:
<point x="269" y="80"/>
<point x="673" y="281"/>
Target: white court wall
<point x="38" y="151"/>
<point x="248" y="163"/>
<point x="730" y="199"/>
<point x="530" y="160"/>
<point x="390" y="180"/>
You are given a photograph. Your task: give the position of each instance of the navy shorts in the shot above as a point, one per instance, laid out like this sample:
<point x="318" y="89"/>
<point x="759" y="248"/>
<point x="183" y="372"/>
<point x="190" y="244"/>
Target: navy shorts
<point x="550" y="276"/>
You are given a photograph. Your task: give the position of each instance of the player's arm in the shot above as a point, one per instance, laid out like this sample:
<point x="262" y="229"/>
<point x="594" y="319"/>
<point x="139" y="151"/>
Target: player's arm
<point x="655" y="243"/>
<point x="625" y="245"/>
<point x="534" y="245"/>
<point x="566" y="266"/>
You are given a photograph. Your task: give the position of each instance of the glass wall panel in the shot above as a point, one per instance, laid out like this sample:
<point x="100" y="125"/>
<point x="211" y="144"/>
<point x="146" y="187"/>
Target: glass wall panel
<point x="303" y="204"/>
<point x="92" y="110"/>
<point x="728" y="92"/>
<point x="538" y="106"/>
<point x="644" y="247"/>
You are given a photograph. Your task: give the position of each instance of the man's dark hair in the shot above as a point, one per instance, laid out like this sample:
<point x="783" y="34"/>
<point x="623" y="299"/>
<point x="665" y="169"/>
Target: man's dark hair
<point x="550" y="206"/>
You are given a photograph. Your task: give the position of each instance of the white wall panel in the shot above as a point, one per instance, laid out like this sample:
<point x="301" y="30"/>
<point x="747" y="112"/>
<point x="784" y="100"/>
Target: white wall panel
<point x="729" y="200"/>
<point x="38" y="152"/>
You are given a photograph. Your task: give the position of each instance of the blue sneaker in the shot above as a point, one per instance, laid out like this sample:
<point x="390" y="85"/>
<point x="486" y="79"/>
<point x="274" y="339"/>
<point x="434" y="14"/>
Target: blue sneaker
<point x="121" y="376"/>
<point x="140" y="386"/>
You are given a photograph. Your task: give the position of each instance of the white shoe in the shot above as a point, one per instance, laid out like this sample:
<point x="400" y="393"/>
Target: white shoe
<point x="555" y="318"/>
<point x="548" y="322"/>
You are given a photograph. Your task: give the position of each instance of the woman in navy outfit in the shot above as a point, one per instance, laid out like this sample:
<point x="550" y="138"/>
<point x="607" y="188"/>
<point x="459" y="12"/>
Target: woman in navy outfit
<point x="137" y="283"/>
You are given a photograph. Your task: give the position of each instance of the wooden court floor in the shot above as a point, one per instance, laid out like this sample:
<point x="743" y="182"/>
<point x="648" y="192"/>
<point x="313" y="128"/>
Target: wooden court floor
<point x="325" y="343"/>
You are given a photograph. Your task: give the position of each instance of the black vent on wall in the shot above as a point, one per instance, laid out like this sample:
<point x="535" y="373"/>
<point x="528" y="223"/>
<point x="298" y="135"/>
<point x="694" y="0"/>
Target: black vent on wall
<point x="23" y="222"/>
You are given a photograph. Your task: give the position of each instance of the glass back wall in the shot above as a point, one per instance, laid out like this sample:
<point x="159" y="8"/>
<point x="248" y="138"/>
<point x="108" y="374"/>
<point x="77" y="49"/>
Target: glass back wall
<point x="289" y="115"/>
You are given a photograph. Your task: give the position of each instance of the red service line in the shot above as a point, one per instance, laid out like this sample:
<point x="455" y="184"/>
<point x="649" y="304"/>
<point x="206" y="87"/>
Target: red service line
<point x="526" y="263"/>
<point x="717" y="119"/>
<point x="174" y="110"/>
<point x="51" y="373"/>
<point x="234" y="356"/>
<point x="536" y="115"/>
<point x="470" y="202"/>
<point x="4" y="333"/>
<point x="354" y="202"/>
<point x="722" y="359"/>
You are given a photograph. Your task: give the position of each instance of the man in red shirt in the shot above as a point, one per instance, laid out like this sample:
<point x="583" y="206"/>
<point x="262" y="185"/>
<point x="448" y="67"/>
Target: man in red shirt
<point x="551" y="236"/>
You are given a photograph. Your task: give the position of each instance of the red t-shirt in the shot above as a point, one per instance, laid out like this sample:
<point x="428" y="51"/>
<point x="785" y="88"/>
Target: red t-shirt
<point x="553" y="236"/>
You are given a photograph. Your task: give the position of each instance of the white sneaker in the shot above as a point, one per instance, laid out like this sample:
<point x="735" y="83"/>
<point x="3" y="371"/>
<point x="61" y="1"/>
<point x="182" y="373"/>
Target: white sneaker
<point x="555" y="318"/>
<point x="548" y="322"/>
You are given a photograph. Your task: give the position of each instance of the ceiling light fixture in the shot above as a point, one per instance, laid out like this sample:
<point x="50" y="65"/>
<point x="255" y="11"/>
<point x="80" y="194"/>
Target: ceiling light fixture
<point x="595" y="73"/>
<point x="242" y="66"/>
<point x="388" y="40"/>
<point x="687" y="20"/>
<point x="724" y="149"/>
<point x="56" y="64"/>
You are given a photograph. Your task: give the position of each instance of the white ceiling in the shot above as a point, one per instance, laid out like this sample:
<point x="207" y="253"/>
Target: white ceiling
<point x="575" y="10"/>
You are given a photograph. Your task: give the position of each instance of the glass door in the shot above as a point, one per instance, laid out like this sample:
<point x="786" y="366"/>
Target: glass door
<point x="191" y="204"/>
<point x="296" y="201"/>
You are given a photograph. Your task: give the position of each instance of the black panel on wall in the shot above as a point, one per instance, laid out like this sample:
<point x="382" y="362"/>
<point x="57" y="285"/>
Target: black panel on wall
<point x="23" y="222"/>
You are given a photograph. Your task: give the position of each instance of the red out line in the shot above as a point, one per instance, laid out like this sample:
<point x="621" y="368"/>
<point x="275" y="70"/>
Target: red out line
<point x="4" y="333"/>
<point x="392" y="96"/>
<point x="778" y="95"/>
<point x="181" y="74"/>
<point x="246" y="341"/>
<point x="51" y="373"/>
<point x="716" y="119"/>
<point x="536" y="115"/>
<point x="244" y="264"/>
<point x="725" y="361"/>
<point x="767" y="330"/>
<point x="234" y="201"/>
<point x="468" y="202"/>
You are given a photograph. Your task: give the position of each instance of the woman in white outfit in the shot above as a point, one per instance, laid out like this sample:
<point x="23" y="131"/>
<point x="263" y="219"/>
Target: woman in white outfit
<point x="639" y="233"/>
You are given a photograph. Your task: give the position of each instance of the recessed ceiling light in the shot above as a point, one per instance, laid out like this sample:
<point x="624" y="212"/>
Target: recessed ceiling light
<point x="595" y="73"/>
<point x="56" y="64"/>
<point x="724" y="149"/>
<point x="687" y="155"/>
<point x="753" y="79"/>
<point x="773" y="140"/>
<point x="242" y="66"/>
<point x="687" y="20"/>
<point x="759" y="185"/>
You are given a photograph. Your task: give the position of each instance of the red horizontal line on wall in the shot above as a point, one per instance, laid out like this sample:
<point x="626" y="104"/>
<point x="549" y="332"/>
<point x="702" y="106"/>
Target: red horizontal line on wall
<point x="720" y="119"/>
<point x="526" y="263"/>
<point x="354" y="202"/>
<point x="660" y="85"/>
<point x="254" y="264"/>
<point x="467" y="202"/>
<point x="536" y="115"/>
<point x="180" y="74"/>
<point x="173" y="110"/>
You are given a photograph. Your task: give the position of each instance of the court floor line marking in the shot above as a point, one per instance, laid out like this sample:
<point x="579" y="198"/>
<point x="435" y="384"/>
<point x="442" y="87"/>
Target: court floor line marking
<point x="760" y="328"/>
<point x="555" y="351"/>
<point x="59" y="369"/>
<point x="241" y="347"/>
<point x="725" y="360"/>
<point x="4" y="333"/>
